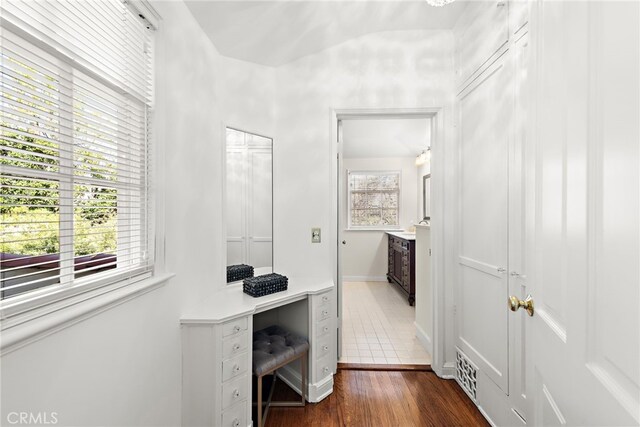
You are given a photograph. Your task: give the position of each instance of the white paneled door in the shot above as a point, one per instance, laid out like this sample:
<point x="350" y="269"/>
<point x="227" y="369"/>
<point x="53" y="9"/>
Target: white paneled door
<point x="584" y="364"/>
<point x="482" y="326"/>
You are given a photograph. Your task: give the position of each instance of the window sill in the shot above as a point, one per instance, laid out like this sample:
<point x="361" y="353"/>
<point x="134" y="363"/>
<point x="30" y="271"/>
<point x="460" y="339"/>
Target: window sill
<point x="31" y="326"/>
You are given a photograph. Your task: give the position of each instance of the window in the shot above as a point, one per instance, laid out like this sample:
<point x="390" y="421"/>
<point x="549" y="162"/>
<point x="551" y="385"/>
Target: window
<point x="374" y="199"/>
<point x="74" y="164"/>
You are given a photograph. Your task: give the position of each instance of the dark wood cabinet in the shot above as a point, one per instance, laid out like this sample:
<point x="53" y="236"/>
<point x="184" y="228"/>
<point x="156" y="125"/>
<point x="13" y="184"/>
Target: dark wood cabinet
<point x="401" y="267"/>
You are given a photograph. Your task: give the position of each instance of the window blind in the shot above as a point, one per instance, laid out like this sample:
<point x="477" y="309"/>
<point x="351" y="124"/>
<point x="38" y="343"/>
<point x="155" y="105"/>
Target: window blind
<point x="75" y="82"/>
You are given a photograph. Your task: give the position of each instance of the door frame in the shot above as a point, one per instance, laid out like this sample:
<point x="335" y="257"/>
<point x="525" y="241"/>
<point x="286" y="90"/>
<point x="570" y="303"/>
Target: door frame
<point x="439" y="291"/>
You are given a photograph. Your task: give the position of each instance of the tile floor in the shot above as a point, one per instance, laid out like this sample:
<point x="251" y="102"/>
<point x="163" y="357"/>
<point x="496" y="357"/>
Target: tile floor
<point x="377" y="326"/>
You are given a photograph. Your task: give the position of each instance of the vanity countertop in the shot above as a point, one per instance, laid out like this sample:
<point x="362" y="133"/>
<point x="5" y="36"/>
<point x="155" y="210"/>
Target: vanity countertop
<point x="403" y="235"/>
<point x="230" y="302"/>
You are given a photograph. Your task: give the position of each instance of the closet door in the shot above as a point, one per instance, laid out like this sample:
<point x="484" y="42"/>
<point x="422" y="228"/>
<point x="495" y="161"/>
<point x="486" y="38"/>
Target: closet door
<point x="484" y="108"/>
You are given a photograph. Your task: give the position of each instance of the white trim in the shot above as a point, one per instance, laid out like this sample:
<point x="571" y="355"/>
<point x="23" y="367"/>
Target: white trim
<point x="364" y="278"/>
<point x="424" y="339"/>
<point x="36" y="326"/>
<point x="315" y="391"/>
<point x="448" y="371"/>
<point x="441" y="146"/>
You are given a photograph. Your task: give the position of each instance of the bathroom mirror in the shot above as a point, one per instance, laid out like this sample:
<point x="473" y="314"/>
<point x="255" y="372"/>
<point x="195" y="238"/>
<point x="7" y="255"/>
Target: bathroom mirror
<point x="249" y="200"/>
<point x="426" y="197"/>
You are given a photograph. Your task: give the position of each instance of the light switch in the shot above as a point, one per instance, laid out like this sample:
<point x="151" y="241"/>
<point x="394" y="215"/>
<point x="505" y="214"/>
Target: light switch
<point x="315" y="235"/>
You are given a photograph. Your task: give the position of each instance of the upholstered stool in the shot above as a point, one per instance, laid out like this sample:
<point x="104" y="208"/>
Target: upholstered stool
<point x="274" y="347"/>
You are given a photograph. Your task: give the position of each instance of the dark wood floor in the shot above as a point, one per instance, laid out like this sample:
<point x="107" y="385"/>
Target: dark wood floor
<point x="381" y="399"/>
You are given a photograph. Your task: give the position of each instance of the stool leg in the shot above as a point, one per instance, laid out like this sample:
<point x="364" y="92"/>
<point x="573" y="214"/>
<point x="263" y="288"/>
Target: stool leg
<point x="260" y="401"/>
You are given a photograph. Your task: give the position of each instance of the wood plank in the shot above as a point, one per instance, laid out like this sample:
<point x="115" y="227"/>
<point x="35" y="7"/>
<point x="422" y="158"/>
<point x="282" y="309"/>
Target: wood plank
<point x="382" y="398"/>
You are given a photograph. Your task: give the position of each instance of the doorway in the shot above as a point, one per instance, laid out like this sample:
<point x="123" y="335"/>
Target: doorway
<point x="382" y="158"/>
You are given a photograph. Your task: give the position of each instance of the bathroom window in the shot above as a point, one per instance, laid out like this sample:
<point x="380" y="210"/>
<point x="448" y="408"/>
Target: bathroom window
<point x="374" y="199"/>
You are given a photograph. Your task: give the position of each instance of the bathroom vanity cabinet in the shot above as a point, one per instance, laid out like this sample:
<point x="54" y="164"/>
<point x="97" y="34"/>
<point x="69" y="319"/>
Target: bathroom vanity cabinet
<point x="402" y="261"/>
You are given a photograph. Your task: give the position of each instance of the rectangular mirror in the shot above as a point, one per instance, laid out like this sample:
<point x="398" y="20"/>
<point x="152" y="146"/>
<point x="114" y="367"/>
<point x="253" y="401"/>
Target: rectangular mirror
<point x="249" y="200"/>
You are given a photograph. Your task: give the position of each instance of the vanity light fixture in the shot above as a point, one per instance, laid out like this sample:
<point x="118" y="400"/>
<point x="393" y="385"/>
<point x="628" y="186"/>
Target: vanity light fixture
<point x="439" y="3"/>
<point x="422" y="158"/>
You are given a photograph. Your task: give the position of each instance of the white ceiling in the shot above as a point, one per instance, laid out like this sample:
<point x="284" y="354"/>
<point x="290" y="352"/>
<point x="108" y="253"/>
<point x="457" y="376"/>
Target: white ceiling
<point x="277" y="32"/>
<point x="381" y="138"/>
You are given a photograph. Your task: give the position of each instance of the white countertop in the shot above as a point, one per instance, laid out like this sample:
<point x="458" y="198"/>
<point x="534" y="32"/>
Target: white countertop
<point x="230" y="302"/>
<point x="403" y="235"/>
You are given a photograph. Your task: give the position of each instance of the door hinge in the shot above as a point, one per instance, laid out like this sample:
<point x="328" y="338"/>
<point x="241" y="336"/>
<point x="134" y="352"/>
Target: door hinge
<point x="455" y="310"/>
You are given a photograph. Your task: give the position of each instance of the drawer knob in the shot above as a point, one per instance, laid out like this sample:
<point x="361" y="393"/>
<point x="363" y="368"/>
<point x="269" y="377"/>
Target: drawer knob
<point x="325" y="348"/>
<point x="236" y="347"/>
<point x="236" y="423"/>
<point x="236" y="328"/>
<point x="236" y="368"/>
<point x="325" y="329"/>
<point x="326" y="369"/>
<point x="325" y="298"/>
<point x="236" y="393"/>
<point x="325" y="312"/>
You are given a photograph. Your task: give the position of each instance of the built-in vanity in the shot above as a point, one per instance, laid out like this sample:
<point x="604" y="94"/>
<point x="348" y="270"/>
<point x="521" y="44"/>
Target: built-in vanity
<point x="216" y="348"/>
<point x="217" y="325"/>
<point x="401" y="262"/>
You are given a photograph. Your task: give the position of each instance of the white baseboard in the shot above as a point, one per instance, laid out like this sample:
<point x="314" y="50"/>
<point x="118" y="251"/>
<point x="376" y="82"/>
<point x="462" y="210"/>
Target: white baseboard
<point x="424" y="339"/>
<point x="364" y="278"/>
<point x="446" y="372"/>
<point x="315" y="391"/>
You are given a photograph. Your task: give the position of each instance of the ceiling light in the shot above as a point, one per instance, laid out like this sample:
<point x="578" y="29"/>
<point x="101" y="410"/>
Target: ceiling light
<point x="439" y="3"/>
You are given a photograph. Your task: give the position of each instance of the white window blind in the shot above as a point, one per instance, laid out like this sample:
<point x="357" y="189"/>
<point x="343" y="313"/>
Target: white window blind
<point x="374" y="199"/>
<point x="75" y="82"/>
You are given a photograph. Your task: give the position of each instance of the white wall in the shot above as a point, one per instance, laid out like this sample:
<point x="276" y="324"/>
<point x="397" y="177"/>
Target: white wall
<point x="364" y="257"/>
<point x="402" y="69"/>
<point x="424" y="289"/>
<point x="204" y="93"/>
<point x="119" y="368"/>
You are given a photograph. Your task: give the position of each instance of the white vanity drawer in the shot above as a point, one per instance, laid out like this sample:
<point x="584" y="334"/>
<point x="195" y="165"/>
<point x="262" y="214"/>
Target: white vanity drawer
<point x="234" y="391"/>
<point x="234" y="367"/>
<point x="323" y="313"/>
<point x="234" y="327"/>
<point x="323" y="299"/>
<point x="323" y="328"/>
<point x="235" y="344"/>
<point x="324" y="347"/>
<point x="236" y="416"/>
<point x="323" y="368"/>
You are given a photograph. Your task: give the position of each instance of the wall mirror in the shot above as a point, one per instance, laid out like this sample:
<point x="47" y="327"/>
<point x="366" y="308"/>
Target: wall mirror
<point x="249" y="200"/>
<point x="426" y="197"/>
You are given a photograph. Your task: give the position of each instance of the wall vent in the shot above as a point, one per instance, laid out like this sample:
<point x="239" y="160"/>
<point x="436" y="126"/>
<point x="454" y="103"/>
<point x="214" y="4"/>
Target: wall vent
<point x="466" y="374"/>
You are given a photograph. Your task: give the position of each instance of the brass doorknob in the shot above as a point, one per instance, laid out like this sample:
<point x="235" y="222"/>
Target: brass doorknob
<point x="527" y="304"/>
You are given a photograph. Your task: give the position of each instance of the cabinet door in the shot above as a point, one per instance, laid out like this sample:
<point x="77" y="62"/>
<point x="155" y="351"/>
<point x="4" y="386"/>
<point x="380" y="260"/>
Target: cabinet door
<point x="397" y="264"/>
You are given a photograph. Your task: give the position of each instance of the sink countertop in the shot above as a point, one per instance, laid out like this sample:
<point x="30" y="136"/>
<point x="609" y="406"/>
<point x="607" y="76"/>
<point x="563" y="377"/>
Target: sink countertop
<point x="402" y="235"/>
